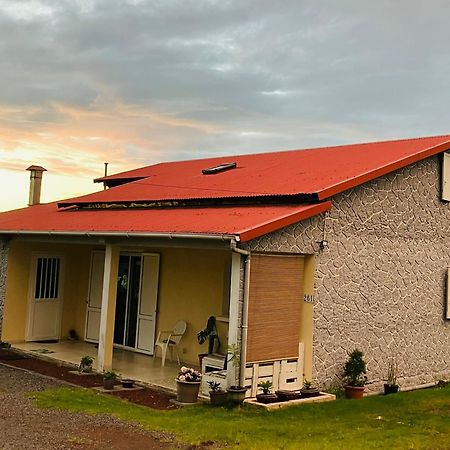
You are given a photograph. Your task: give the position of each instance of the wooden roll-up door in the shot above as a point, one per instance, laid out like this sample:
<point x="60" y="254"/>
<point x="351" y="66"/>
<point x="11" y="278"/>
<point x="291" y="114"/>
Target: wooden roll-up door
<point x="276" y="293"/>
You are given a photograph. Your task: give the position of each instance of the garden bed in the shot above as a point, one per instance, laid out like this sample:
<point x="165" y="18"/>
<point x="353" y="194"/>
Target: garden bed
<point x="152" y="398"/>
<point x="322" y="397"/>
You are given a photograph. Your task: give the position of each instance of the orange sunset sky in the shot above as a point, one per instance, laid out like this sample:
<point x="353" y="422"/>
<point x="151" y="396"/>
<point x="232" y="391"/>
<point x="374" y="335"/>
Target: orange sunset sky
<point x="137" y="82"/>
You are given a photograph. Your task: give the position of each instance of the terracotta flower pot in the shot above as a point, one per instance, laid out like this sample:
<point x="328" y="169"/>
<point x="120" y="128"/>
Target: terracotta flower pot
<point x="187" y="391"/>
<point x="354" y="392"/>
<point x="266" y="398"/>
<point x="109" y="384"/>
<point x="218" y="398"/>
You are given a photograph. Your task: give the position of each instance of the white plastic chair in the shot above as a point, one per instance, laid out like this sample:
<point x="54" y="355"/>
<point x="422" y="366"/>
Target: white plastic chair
<point x="170" y="339"/>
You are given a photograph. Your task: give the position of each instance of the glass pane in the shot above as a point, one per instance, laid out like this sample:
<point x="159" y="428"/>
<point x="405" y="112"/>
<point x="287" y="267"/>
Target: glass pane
<point x="133" y="302"/>
<point x="56" y="283"/>
<point x="121" y="301"/>
<point x="37" y="290"/>
<point x="47" y="278"/>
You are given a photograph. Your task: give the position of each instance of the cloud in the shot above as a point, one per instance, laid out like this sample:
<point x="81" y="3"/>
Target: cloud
<point x="136" y="82"/>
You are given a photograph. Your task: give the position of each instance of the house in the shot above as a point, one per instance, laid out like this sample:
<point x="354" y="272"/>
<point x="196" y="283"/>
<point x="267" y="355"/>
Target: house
<point x="301" y="256"/>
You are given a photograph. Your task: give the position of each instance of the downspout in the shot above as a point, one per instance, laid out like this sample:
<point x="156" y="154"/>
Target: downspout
<point x="244" y="326"/>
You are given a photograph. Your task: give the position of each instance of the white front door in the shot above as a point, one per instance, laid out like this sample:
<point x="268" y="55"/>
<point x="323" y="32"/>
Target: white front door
<point x="136" y="302"/>
<point x="148" y="302"/>
<point x="94" y="299"/>
<point x="45" y="297"/>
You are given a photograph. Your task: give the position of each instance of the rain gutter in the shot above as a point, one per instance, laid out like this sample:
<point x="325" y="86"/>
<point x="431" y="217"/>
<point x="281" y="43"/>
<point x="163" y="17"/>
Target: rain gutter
<point x="244" y="325"/>
<point x="216" y="237"/>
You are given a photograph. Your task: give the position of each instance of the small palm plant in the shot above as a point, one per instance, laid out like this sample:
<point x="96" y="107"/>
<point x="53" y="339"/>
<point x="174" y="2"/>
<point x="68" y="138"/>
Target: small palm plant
<point x="217" y="395"/>
<point x="266" y="386"/>
<point x="308" y="390"/>
<point x="266" y="396"/>
<point x="214" y="386"/>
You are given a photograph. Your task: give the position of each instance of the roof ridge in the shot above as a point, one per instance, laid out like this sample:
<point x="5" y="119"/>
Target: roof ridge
<point x="270" y="152"/>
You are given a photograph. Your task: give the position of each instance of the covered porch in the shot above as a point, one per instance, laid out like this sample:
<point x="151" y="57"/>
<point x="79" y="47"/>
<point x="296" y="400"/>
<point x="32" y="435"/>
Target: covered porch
<point x="116" y="298"/>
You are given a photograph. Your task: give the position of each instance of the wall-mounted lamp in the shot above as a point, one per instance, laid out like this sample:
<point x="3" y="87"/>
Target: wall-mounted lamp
<point x="323" y="244"/>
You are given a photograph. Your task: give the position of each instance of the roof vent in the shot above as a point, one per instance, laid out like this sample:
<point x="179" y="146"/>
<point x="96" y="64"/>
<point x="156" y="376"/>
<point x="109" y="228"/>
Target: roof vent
<point x="220" y="168"/>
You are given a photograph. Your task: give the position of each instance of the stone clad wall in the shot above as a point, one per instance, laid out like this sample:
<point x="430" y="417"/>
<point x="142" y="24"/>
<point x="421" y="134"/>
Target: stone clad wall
<point x="3" y="267"/>
<point x="380" y="283"/>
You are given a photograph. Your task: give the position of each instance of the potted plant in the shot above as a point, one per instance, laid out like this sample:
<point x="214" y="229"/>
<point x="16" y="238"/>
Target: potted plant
<point x="209" y="334"/>
<point x="188" y="385"/>
<point x="267" y="396"/>
<point x="127" y="383"/>
<point x="236" y="393"/>
<point x="285" y="395"/>
<point x="391" y="386"/>
<point x="354" y="374"/>
<point x="308" y="390"/>
<point x="217" y="395"/>
<point x="109" y="378"/>
<point x="86" y="364"/>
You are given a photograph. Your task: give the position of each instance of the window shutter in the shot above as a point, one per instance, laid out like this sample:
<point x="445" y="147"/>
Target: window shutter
<point x="276" y="293"/>
<point x="445" y="177"/>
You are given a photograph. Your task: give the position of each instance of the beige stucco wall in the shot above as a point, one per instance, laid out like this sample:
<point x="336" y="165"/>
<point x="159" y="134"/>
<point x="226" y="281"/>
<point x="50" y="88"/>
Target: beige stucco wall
<point x="380" y="283"/>
<point x="191" y="288"/>
<point x="77" y="258"/>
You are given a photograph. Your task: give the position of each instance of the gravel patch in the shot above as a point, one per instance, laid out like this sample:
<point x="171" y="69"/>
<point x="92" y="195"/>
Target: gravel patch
<point x="24" y="426"/>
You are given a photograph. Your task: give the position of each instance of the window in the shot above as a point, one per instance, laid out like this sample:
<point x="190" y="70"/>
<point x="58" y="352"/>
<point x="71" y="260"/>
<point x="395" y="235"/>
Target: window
<point x="47" y="278"/>
<point x="445" y="177"/>
<point x="220" y="168"/>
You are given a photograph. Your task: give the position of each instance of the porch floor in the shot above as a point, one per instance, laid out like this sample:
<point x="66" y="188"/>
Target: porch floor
<point x="128" y="364"/>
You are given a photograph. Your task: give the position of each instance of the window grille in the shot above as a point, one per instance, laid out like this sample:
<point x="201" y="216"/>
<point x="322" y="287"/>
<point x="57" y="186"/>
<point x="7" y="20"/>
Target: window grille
<point x="47" y="278"/>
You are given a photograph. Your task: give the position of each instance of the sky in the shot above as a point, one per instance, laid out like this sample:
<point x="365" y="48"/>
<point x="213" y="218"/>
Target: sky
<point x="134" y="83"/>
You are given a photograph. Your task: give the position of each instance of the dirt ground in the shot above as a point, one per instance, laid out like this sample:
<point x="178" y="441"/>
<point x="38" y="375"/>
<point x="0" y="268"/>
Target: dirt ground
<point x="24" y="426"/>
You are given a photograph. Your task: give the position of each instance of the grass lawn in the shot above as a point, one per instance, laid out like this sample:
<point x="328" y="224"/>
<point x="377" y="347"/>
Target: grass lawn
<point x="413" y="420"/>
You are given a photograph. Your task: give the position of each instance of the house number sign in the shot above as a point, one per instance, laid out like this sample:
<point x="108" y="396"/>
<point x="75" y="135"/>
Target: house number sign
<point x="308" y="298"/>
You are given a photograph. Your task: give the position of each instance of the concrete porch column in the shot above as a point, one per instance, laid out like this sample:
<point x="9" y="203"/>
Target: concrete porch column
<point x="4" y="245"/>
<point x="106" y="335"/>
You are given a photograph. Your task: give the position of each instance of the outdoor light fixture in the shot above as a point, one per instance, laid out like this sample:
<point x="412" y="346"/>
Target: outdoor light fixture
<point x="323" y="244"/>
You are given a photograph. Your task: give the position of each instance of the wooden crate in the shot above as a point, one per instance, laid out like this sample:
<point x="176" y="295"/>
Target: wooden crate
<point x="283" y="373"/>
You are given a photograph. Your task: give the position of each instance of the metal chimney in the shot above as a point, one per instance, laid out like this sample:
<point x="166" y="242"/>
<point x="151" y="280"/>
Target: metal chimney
<point x="35" y="184"/>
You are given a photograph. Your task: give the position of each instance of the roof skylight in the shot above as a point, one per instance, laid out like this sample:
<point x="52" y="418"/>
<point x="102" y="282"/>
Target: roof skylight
<point x="220" y="168"/>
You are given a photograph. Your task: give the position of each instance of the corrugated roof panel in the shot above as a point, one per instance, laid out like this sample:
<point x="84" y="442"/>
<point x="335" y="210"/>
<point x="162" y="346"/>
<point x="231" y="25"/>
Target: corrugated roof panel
<point x="322" y="172"/>
<point x="247" y="222"/>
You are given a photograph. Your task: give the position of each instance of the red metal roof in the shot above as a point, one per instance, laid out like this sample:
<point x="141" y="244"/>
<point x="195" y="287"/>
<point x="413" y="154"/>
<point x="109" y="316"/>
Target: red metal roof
<point x="320" y="172"/>
<point x="245" y="222"/>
